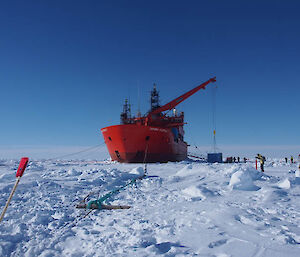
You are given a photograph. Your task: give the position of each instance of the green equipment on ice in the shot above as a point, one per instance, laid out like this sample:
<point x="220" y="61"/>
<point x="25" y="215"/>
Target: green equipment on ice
<point x="99" y="203"/>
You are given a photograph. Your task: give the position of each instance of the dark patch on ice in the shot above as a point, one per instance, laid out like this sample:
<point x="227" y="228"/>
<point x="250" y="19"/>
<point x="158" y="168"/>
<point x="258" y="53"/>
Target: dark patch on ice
<point x="237" y="218"/>
<point x="196" y="198"/>
<point x="6" y="190"/>
<point x="208" y="192"/>
<point x="166" y="246"/>
<point x="49" y="185"/>
<point x="153" y="176"/>
<point x="295" y="181"/>
<point x="246" y="187"/>
<point x="189" y="160"/>
<point x="9" y="242"/>
<point x="265" y="177"/>
<point x="95" y="232"/>
<point x="266" y="225"/>
<point x="291" y="240"/>
<point x="25" y="187"/>
<point x="145" y="244"/>
<point x="176" y="179"/>
<point x="162" y="248"/>
<point x="217" y="243"/>
<point x="7" y="177"/>
<point x="213" y="227"/>
<point x="275" y="219"/>
<point x="282" y="194"/>
<point x="78" y="254"/>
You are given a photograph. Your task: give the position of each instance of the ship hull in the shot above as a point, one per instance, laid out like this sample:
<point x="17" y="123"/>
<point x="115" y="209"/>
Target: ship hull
<point x="134" y="143"/>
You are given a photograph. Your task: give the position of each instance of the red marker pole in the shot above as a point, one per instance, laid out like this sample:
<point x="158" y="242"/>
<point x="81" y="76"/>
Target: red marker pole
<point x="20" y="171"/>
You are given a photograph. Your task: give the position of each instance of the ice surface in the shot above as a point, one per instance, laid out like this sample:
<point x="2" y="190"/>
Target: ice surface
<point x="179" y="209"/>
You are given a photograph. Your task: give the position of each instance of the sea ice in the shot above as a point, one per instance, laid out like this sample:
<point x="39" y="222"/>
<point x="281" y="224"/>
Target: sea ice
<point x="180" y="209"/>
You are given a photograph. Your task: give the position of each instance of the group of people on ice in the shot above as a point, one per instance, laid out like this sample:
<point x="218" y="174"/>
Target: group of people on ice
<point x="292" y="159"/>
<point x="262" y="160"/>
<point x="234" y="159"/>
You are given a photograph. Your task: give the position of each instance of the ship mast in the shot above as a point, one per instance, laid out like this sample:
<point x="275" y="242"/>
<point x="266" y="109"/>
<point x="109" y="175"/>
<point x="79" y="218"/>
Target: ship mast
<point x="154" y="98"/>
<point x="126" y="114"/>
<point x="139" y="102"/>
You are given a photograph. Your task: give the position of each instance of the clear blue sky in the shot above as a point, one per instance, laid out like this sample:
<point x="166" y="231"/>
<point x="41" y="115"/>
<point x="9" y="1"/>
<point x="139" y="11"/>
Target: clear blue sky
<point x="66" y="67"/>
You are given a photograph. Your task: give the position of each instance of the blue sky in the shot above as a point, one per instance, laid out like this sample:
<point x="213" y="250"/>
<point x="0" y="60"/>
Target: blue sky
<point x="66" y="67"/>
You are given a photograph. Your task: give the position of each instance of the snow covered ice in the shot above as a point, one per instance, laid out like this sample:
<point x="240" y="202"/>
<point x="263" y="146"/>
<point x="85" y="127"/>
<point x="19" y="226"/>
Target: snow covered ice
<point x="180" y="209"/>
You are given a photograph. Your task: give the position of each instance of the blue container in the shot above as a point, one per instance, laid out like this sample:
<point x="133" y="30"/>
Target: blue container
<point x="214" y="157"/>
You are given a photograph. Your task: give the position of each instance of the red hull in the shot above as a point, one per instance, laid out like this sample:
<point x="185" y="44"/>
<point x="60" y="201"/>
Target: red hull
<point x="134" y="143"/>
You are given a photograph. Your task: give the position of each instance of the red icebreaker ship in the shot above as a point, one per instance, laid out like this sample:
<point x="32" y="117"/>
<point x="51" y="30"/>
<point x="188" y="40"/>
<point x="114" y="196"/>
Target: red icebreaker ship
<point x="154" y="137"/>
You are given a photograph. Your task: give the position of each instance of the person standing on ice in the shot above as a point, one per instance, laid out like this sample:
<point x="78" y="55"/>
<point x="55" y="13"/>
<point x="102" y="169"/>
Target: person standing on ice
<point x="292" y="159"/>
<point x="262" y="160"/>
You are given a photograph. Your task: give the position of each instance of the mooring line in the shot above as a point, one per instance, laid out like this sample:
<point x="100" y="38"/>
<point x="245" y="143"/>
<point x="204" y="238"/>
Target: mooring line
<point x="70" y="154"/>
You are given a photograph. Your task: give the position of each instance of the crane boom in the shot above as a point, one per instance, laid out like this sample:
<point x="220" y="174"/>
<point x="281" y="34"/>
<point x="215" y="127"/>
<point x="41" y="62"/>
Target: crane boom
<point x="178" y="100"/>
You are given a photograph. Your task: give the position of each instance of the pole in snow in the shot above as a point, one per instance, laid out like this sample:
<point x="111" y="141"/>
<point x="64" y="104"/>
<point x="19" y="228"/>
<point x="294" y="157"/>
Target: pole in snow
<point x="20" y="171"/>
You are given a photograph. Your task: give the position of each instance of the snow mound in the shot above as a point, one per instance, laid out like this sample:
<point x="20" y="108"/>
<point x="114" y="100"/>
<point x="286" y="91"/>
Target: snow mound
<point x="191" y="170"/>
<point x="243" y="180"/>
<point x="184" y="171"/>
<point x="137" y="171"/>
<point x="73" y="172"/>
<point x="193" y="192"/>
<point x="285" y="184"/>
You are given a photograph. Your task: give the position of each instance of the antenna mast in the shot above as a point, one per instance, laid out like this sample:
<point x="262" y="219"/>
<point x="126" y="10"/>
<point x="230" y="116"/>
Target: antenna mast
<point x="214" y="117"/>
<point x="139" y="101"/>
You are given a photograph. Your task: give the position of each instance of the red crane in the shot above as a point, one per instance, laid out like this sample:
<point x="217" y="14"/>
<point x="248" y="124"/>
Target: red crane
<point x="178" y="100"/>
